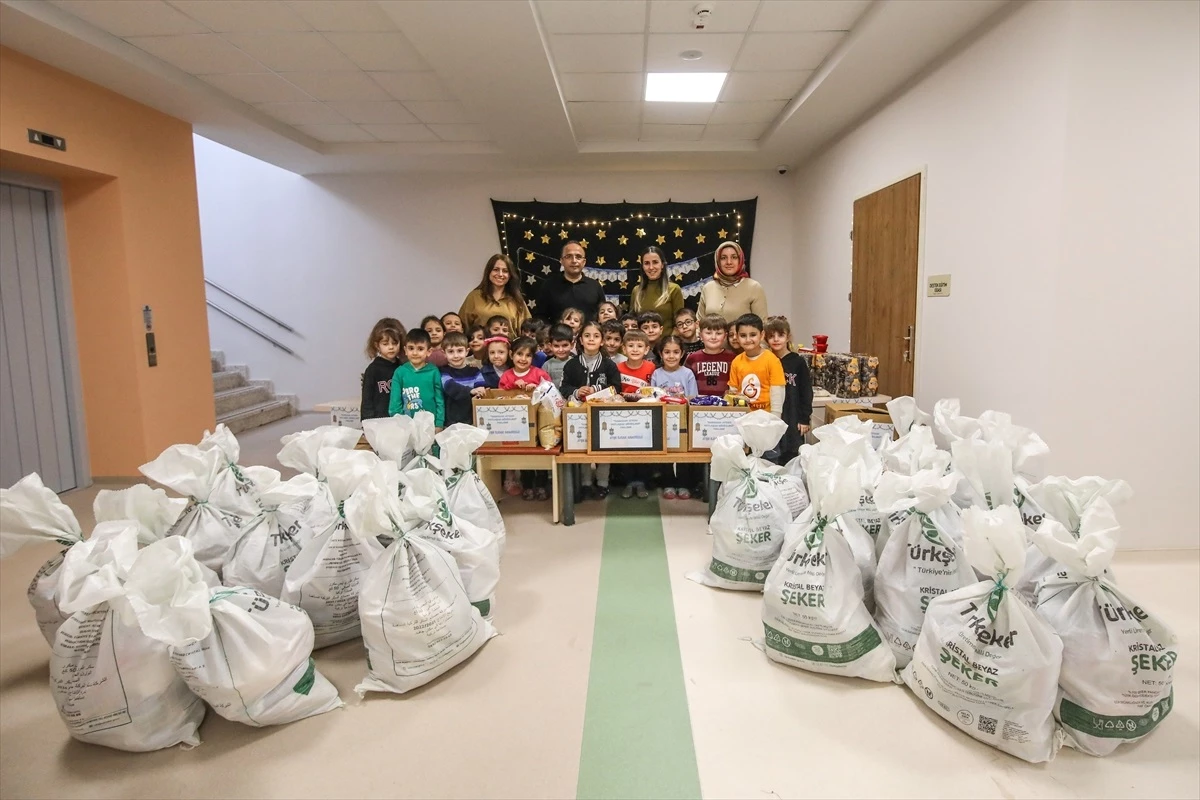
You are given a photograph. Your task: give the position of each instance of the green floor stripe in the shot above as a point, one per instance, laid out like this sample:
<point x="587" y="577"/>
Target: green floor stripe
<point x="637" y="734"/>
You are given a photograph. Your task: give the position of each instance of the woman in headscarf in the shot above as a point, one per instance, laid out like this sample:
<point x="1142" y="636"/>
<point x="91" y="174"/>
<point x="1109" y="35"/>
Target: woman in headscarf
<point x="498" y="294"/>
<point x="655" y="292"/>
<point x="732" y="292"/>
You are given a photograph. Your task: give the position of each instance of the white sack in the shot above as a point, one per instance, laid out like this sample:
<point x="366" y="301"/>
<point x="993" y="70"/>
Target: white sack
<point x="761" y="432"/>
<point x="1029" y="456"/>
<point x="324" y="578"/>
<point x="1118" y="661"/>
<point x="849" y="440"/>
<point x="813" y="613"/>
<point x="913" y="452"/>
<point x="466" y="493"/>
<point x="31" y="512"/>
<point x="985" y="662"/>
<point x="299" y="452"/>
<point x="906" y="416"/>
<point x="390" y="437"/>
<point x="417" y="622"/>
<point x="748" y="523"/>
<point x="114" y="685"/>
<point x="234" y="488"/>
<point x="421" y="440"/>
<point x="210" y="526"/>
<point x="1065" y="501"/>
<point x="272" y="540"/>
<point x="949" y="425"/>
<point x="153" y="510"/>
<point x="475" y="550"/>
<point x="923" y="557"/>
<point x="986" y="468"/>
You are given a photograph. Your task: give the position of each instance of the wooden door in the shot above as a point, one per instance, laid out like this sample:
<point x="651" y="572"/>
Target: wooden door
<point x="883" y="293"/>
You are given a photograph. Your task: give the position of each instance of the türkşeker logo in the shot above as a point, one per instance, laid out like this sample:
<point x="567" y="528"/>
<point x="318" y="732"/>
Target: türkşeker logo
<point x="751" y="387"/>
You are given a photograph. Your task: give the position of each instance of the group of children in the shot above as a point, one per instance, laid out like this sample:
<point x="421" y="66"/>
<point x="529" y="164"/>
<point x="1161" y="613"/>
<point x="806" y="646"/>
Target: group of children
<point x="439" y="367"/>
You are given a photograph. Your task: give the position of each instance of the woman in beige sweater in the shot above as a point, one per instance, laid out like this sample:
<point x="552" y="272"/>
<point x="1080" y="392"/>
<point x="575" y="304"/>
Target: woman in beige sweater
<point x="499" y="293"/>
<point x="655" y="291"/>
<point x="732" y="292"/>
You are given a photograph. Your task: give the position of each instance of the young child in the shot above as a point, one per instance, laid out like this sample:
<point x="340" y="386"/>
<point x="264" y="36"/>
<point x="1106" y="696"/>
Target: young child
<point x="688" y="332"/>
<point x="711" y="363"/>
<point x="586" y="374"/>
<point x="613" y="335"/>
<point x="478" y="355"/>
<point x="561" y="340"/>
<point x="417" y="384"/>
<point x="756" y="373"/>
<point x="532" y="329"/>
<point x="460" y="381"/>
<point x="383" y="348"/>
<point x="798" y="392"/>
<point x="731" y="339"/>
<point x="636" y="372"/>
<point x="679" y="381"/>
<point x="523" y="374"/>
<point x="543" y="341"/>
<point x="452" y="323"/>
<point x="497" y="364"/>
<point x="651" y="324"/>
<point x="573" y="319"/>
<point x="433" y="326"/>
<point x="629" y="321"/>
<point x="498" y="326"/>
<point x="606" y="311"/>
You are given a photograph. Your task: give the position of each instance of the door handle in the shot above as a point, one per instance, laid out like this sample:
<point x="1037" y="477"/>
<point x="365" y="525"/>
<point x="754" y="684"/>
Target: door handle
<point x="907" y="344"/>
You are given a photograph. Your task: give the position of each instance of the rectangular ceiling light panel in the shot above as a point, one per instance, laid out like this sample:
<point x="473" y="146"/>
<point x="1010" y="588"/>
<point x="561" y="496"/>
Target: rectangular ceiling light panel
<point x="684" y="87"/>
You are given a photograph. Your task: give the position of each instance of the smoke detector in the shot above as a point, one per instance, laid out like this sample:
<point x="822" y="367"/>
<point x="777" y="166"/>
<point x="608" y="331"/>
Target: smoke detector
<point x="702" y="12"/>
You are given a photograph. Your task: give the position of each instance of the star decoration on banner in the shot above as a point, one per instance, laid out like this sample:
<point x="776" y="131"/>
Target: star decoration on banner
<point x="723" y="233"/>
<point x="562" y="234"/>
<point x="584" y="242"/>
<point x="679" y="254"/>
<point x="531" y="279"/>
<point x="530" y="256"/>
<point x="660" y="239"/>
<point x="528" y="234"/>
<point x="545" y="238"/>
<point x="531" y="303"/>
<point x="546" y="270"/>
<point x="602" y="282"/>
<point x="600" y="261"/>
<point x="678" y="232"/>
<point x="700" y="238"/>
<point x="640" y="232"/>
<point x="623" y="262"/>
<point x="601" y="234"/>
<point x="624" y="284"/>
<point x="622" y="240"/>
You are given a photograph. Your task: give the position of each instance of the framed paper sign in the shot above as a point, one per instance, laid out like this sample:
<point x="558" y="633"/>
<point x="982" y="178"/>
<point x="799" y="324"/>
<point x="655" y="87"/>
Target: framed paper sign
<point x="626" y="428"/>
<point x="505" y="421"/>
<point x="708" y="423"/>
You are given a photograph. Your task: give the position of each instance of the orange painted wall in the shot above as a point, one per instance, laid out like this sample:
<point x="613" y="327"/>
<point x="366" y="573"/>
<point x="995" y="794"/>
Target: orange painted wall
<point x="133" y="239"/>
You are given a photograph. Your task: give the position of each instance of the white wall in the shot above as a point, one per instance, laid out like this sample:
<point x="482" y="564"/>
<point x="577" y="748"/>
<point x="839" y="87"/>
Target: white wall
<point x="1063" y="196"/>
<point x="331" y="254"/>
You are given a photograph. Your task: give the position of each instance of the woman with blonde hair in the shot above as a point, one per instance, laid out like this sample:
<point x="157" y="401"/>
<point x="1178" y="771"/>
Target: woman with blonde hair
<point x="732" y="292"/>
<point x="655" y="291"/>
<point x="498" y="294"/>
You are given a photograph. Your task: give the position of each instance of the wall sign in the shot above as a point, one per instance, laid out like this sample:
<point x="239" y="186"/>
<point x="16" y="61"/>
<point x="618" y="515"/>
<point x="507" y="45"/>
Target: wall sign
<point x="939" y="286"/>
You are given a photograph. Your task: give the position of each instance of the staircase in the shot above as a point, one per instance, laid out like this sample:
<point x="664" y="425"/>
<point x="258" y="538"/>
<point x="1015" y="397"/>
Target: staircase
<point x="243" y="404"/>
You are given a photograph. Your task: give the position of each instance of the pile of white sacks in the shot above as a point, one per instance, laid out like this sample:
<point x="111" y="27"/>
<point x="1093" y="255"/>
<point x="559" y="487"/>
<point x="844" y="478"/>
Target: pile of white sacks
<point x="946" y="560"/>
<point x="220" y="598"/>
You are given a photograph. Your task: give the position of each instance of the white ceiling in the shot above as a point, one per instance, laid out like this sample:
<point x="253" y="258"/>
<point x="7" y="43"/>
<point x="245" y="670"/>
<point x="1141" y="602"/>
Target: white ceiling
<point x="347" y="85"/>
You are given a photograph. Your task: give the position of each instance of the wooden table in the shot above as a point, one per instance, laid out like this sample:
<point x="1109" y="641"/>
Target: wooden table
<point x="490" y="463"/>
<point x="566" y="462"/>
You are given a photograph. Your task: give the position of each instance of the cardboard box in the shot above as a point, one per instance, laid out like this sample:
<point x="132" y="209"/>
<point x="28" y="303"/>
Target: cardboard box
<point x="677" y="427"/>
<point x="626" y="428"/>
<point x="706" y="423"/>
<point x="346" y="415"/>
<point x="885" y="429"/>
<point x="510" y="418"/>
<point x="575" y="429"/>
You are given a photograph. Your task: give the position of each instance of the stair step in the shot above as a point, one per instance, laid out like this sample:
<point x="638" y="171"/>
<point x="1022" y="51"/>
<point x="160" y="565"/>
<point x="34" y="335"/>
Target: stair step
<point x="218" y="360"/>
<point x="255" y="416"/>
<point x="241" y="397"/>
<point x="227" y="379"/>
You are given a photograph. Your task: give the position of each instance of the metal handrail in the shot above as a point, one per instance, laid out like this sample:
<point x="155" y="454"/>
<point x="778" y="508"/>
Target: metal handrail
<point x="249" y="327"/>
<point x="250" y="305"/>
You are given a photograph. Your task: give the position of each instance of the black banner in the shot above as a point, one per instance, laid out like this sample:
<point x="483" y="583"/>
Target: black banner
<point x="614" y="235"/>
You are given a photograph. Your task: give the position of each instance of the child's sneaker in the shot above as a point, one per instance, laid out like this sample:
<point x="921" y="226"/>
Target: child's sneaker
<point x="540" y="494"/>
<point x="528" y="494"/>
<point x="684" y="494"/>
<point x="668" y="493"/>
<point x="601" y="492"/>
<point x="512" y="487"/>
<point x="627" y="492"/>
<point x="642" y="493"/>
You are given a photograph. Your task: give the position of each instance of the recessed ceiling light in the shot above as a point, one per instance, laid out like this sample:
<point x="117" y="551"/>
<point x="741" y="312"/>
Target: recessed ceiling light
<point x="684" y="87"/>
<point x="691" y="55"/>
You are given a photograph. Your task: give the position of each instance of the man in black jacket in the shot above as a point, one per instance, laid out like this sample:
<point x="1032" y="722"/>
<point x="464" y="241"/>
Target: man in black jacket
<point x="570" y="288"/>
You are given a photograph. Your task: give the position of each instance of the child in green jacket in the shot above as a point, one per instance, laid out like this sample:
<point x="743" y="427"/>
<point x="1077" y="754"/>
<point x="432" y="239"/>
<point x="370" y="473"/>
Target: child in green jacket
<point x="417" y="385"/>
